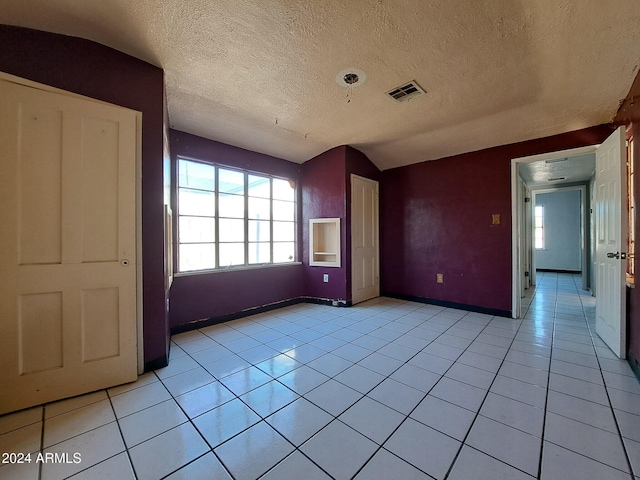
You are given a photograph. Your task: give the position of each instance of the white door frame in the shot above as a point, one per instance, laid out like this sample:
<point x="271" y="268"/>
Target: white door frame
<point x="584" y="254"/>
<point x="515" y="230"/>
<point x="139" y="320"/>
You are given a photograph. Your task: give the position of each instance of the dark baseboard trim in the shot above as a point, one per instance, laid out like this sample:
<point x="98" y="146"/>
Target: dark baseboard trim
<point x="441" y="303"/>
<point x="156" y="364"/>
<point x="555" y="270"/>
<point x="206" y="322"/>
<point x="327" y="301"/>
<point x="634" y="365"/>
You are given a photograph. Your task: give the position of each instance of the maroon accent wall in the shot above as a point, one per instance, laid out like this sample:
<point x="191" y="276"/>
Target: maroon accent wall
<point x="629" y="115"/>
<point x="210" y="295"/>
<point x="91" y="69"/>
<point x="435" y="217"/>
<point x="326" y="193"/>
<point x="323" y="196"/>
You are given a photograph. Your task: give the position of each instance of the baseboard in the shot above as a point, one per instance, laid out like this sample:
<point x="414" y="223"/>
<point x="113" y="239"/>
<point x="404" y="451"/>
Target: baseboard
<point x="441" y="303"/>
<point x="634" y="365"/>
<point x="327" y="301"/>
<point x="206" y="322"/>
<point x="555" y="270"/>
<point x="156" y="363"/>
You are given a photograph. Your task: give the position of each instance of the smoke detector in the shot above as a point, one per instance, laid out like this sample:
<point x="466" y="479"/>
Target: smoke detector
<point x="350" y="77"/>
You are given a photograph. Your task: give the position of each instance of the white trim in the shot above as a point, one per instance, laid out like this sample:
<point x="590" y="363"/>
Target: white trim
<point x="233" y="269"/>
<point x="139" y="270"/>
<point x="48" y="88"/>
<point x="515" y="233"/>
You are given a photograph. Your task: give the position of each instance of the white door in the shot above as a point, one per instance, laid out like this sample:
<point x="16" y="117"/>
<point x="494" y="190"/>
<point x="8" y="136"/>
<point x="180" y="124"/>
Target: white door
<point x="67" y="246"/>
<point x="365" y="278"/>
<point x="611" y="241"/>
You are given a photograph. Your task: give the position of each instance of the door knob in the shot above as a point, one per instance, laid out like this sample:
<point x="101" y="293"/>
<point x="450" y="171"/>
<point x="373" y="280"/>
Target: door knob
<point x="617" y="255"/>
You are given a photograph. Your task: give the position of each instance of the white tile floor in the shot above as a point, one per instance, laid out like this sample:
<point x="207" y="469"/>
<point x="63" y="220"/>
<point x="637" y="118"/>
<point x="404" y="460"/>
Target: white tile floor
<point x="384" y="390"/>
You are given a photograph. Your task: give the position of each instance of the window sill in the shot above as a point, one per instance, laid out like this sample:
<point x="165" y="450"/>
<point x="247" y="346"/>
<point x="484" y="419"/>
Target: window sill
<point x="235" y="269"/>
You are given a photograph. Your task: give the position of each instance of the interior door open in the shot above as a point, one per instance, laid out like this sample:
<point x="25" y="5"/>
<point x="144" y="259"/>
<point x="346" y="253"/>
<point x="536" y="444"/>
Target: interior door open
<point x="67" y="245"/>
<point x="611" y="241"/>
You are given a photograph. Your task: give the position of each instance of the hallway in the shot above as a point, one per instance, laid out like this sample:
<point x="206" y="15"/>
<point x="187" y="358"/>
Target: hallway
<point x="385" y="389"/>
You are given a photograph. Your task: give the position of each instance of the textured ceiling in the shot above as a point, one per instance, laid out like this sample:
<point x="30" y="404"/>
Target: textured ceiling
<point x="260" y="74"/>
<point x="541" y="174"/>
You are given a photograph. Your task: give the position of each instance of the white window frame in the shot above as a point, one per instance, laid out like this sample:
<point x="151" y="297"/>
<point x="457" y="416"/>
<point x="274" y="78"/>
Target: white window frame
<point x="216" y="242"/>
<point x="537" y="227"/>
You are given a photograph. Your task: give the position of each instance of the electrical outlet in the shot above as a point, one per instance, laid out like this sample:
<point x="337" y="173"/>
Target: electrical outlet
<point x="325" y="278"/>
<point x="439" y="277"/>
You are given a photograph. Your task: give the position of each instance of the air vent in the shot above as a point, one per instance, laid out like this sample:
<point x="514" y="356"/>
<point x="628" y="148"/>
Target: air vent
<point x="555" y="179"/>
<point x="406" y="92"/>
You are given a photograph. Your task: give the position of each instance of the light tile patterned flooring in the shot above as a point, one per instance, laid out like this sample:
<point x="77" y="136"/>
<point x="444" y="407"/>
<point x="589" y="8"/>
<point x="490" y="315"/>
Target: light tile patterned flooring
<point x="383" y="390"/>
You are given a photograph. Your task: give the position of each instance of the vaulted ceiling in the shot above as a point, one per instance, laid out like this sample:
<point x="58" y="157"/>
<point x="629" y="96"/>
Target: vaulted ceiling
<point x="261" y="74"/>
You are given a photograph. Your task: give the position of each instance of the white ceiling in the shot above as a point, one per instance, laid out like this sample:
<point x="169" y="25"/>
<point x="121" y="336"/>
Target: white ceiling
<point x="543" y="174"/>
<point x="260" y="74"/>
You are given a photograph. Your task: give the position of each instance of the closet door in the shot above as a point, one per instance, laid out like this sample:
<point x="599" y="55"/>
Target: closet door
<point x="67" y="245"/>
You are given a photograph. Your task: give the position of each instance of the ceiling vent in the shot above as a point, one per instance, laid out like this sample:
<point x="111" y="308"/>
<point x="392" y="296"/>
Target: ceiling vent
<point x="555" y="179"/>
<point x="406" y="92"/>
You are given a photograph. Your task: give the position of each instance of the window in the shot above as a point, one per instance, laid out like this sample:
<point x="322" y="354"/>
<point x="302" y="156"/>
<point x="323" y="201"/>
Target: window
<point x="538" y="227"/>
<point x="229" y="218"/>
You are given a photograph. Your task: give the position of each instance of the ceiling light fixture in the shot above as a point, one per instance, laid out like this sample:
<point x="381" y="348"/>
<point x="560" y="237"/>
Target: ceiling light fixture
<point x="350" y="77"/>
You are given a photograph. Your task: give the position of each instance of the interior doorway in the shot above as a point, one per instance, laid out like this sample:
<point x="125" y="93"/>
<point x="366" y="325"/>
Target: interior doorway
<point x="553" y="169"/>
<point x="610" y="209"/>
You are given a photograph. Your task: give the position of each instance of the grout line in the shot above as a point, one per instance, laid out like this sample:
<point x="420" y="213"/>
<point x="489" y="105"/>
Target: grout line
<point x="126" y="448"/>
<point x="606" y="390"/>
<point x="560" y="300"/>
<point x="42" y="440"/>
<point x="477" y="414"/>
<point x="546" y="396"/>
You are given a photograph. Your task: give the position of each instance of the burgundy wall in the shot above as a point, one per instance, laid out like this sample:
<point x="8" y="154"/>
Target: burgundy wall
<point x="90" y="69"/>
<point x="323" y="196"/>
<point x="629" y="114"/>
<point x="326" y="192"/>
<point x="201" y="296"/>
<point x="435" y="217"/>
